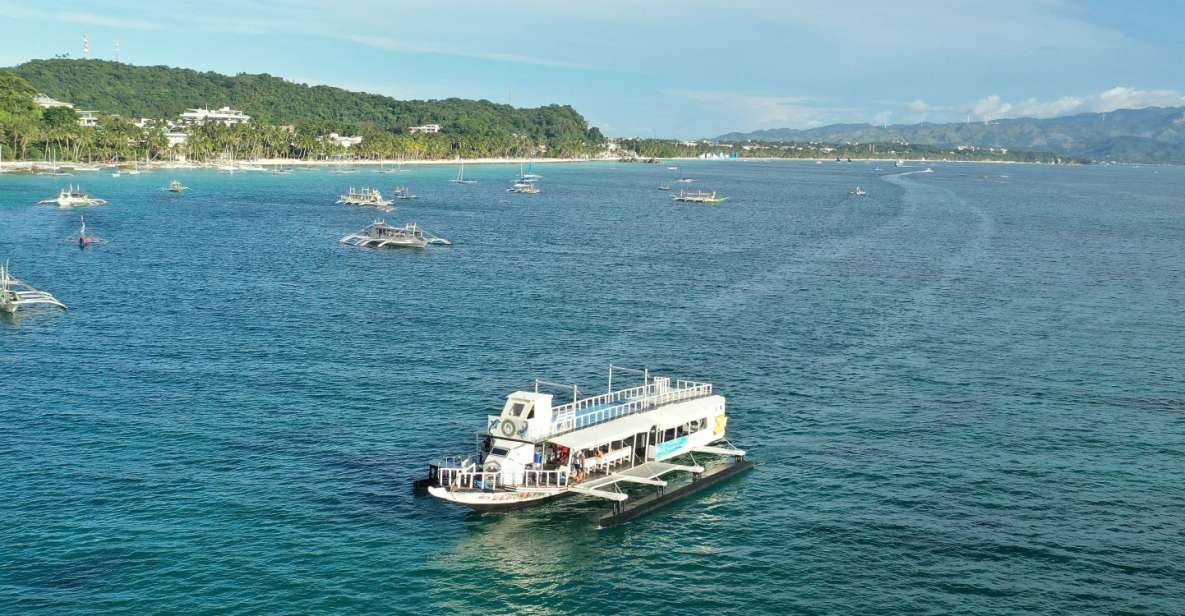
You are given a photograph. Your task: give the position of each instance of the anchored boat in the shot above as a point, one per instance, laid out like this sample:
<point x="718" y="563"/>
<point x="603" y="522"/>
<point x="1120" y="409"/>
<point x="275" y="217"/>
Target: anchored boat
<point x="176" y="187"/>
<point x="698" y="196"/>
<point x="16" y="294"/>
<point x="526" y="188"/>
<point x="859" y="192"/>
<point x="72" y="196"/>
<point x="403" y="193"/>
<point x="641" y="435"/>
<point x="365" y="196"/>
<point x="379" y="234"/>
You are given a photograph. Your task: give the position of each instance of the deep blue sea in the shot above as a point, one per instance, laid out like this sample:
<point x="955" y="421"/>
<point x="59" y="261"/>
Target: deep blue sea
<point x="967" y="390"/>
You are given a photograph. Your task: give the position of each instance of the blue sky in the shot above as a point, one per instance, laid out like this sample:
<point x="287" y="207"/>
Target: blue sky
<point x="677" y="69"/>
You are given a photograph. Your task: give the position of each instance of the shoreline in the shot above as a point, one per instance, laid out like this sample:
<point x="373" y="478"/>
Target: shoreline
<point x="24" y="165"/>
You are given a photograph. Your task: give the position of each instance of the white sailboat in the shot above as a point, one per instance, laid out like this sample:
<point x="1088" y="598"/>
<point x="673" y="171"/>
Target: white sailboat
<point x="460" y="179"/>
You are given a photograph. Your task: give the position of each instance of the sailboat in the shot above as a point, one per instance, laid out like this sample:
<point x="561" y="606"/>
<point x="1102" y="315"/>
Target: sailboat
<point x="460" y="179"/>
<point x="84" y="239"/>
<point x="53" y="161"/>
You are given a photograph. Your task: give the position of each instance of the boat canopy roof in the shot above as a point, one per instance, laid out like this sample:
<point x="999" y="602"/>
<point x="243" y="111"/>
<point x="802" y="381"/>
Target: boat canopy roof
<point x="662" y="418"/>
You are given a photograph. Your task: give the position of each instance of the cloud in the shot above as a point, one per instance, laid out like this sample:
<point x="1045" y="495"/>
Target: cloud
<point x="78" y="17"/>
<point x="995" y="107"/>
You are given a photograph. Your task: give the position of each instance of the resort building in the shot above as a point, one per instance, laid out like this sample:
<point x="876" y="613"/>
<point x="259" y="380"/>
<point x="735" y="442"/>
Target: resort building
<point x="225" y="115"/>
<point x="427" y="129"/>
<point x="177" y="138"/>
<point x="88" y="118"/>
<point x="343" y="141"/>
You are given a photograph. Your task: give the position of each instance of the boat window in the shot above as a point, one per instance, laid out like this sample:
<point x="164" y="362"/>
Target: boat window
<point x="516" y="409"/>
<point x="668" y="435"/>
<point x="499" y="451"/>
<point x="531" y="413"/>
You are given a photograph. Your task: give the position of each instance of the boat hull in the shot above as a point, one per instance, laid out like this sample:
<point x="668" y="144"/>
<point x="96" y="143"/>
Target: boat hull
<point x="492" y="501"/>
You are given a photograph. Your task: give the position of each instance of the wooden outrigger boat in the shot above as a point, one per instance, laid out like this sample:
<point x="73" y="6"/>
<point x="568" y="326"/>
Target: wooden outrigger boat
<point x="698" y="196"/>
<point x="402" y="193"/>
<point x="16" y="294"/>
<point x="177" y="187"/>
<point x="379" y="234"/>
<point x="639" y="436"/>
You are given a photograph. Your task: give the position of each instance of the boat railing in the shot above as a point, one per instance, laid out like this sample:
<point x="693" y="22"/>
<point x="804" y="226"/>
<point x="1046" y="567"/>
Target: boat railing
<point x="621" y="403"/>
<point x="459" y="478"/>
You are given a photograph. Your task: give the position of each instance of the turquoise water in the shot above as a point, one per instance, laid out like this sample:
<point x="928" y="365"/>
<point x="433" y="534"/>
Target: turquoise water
<point x="967" y="390"/>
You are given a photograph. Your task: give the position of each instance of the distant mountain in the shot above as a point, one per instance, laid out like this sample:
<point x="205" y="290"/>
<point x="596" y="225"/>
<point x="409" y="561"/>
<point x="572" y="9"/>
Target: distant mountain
<point x="1151" y="135"/>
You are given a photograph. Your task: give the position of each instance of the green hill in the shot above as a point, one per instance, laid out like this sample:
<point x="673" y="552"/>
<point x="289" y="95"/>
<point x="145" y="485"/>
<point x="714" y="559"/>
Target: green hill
<point x="476" y="126"/>
<point x="1153" y="134"/>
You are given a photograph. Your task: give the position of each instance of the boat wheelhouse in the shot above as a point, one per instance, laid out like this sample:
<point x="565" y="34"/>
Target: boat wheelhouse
<point x="379" y="234"/>
<point x="72" y="196"/>
<point x="698" y="196"/>
<point x="16" y="294"/>
<point x="365" y="197"/>
<point x="535" y="450"/>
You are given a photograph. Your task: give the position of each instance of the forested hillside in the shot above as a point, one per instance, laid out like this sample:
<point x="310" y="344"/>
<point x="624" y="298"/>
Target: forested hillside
<point x="469" y="127"/>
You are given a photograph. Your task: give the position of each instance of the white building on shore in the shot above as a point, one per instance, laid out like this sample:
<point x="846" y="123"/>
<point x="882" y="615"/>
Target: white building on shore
<point x="342" y="140"/>
<point x="427" y="129"/>
<point x="225" y="115"/>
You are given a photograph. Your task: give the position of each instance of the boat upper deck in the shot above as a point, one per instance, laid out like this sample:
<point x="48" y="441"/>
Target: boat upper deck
<point x="594" y="410"/>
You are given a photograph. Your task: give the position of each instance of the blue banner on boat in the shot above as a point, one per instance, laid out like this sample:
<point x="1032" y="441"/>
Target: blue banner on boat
<point x="670" y="447"/>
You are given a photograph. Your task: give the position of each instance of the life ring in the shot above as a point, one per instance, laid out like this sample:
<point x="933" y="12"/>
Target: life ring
<point x="508" y="428"/>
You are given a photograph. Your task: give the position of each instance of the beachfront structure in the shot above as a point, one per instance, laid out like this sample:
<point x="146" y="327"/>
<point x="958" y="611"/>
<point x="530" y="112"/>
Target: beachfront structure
<point x="536" y="450"/>
<point x="224" y="115"/>
<point x="177" y="138"/>
<point x="427" y="129"/>
<point x="342" y="141"/>
<point x="88" y="118"/>
<point x="46" y="102"/>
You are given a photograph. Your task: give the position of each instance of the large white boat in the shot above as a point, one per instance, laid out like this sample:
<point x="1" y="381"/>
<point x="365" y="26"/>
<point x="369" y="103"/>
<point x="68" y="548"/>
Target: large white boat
<point x="535" y="450"/>
<point x="364" y="196"/>
<point x="16" y="294"/>
<point x="72" y="196"/>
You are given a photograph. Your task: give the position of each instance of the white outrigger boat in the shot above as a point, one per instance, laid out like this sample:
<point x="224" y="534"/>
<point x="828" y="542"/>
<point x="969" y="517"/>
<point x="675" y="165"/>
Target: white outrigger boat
<point x="16" y="294"/>
<point x="698" y="196"/>
<point x="72" y="196"/>
<point x="364" y="196"/>
<point x="535" y="451"/>
<point x="525" y="188"/>
<point x="379" y="234"/>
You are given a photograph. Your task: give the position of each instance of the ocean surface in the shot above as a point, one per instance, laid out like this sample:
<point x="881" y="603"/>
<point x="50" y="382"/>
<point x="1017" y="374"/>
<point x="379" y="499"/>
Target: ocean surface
<point x="966" y="390"/>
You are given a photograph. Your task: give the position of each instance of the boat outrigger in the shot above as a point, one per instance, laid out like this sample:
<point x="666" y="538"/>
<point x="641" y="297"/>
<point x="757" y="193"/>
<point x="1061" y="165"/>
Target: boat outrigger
<point x="379" y="234"/>
<point x="534" y="451"/>
<point x="698" y="196"/>
<point x="364" y="196"/>
<point x="72" y="196"/>
<point x="16" y="294"/>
